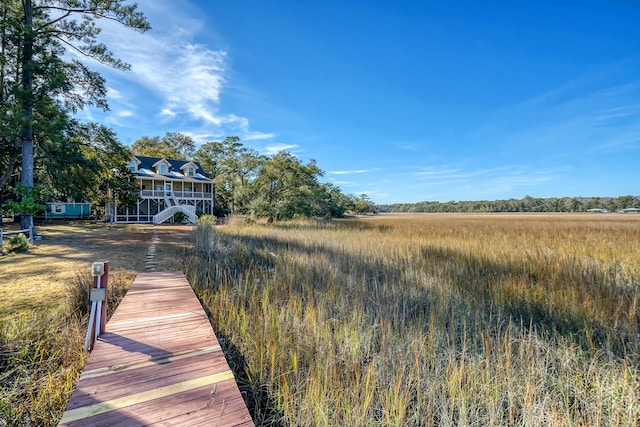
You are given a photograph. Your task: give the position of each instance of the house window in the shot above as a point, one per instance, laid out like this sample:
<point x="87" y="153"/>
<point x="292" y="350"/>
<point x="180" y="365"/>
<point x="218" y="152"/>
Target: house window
<point x="162" y="169"/>
<point x="59" y="209"/>
<point x="191" y="171"/>
<point x="132" y="166"/>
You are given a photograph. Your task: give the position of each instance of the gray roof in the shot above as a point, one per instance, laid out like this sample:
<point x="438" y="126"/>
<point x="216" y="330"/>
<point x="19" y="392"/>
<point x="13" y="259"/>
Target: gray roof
<point x="146" y="169"/>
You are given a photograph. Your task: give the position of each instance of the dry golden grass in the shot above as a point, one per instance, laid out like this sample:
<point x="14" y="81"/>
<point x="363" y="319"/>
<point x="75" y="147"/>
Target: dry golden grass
<point x="42" y="325"/>
<point x="431" y="319"/>
<point x="38" y="280"/>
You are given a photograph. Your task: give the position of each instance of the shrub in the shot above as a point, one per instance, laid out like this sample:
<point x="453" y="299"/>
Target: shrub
<point x="179" y="217"/>
<point x="18" y="243"/>
<point x="208" y="219"/>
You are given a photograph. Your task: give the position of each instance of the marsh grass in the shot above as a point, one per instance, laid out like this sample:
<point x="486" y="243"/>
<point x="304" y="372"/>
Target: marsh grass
<point x="430" y="320"/>
<point x="79" y="294"/>
<point x="39" y="361"/>
<point x="41" y="355"/>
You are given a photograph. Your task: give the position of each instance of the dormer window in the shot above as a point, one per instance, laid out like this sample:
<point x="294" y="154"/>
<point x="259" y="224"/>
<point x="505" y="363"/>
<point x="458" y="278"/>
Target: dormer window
<point x="162" y="167"/>
<point x="132" y="166"/>
<point x="189" y="169"/>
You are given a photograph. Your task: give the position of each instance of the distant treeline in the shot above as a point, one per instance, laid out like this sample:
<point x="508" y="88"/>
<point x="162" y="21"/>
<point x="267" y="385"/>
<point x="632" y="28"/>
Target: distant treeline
<point x="526" y="204"/>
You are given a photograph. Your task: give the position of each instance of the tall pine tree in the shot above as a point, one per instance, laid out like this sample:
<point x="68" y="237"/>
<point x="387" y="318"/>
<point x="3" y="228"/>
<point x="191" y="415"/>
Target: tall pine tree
<point x="39" y="81"/>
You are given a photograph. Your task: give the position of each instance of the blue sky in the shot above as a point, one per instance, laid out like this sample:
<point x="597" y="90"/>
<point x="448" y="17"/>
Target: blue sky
<point x="401" y="100"/>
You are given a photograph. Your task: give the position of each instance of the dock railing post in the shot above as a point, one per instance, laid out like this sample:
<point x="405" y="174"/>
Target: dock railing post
<point x="98" y="296"/>
<point x="104" y="284"/>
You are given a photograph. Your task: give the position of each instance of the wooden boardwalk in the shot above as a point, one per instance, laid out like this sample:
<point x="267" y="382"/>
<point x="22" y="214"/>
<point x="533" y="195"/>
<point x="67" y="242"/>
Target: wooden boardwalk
<point x="159" y="363"/>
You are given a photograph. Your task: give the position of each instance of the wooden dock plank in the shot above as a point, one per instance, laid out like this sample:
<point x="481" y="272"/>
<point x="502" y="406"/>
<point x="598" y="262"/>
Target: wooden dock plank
<point x="148" y="378"/>
<point x="159" y="363"/>
<point x="188" y="408"/>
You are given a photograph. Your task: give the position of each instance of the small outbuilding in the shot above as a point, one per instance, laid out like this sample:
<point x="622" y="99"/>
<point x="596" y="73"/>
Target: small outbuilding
<point x="61" y="210"/>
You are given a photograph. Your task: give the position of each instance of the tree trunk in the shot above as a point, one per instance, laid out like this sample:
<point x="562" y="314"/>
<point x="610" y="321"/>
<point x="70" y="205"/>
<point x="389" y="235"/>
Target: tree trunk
<point x="12" y="160"/>
<point x="3" y="49"/>
<point x="26" y="177"/>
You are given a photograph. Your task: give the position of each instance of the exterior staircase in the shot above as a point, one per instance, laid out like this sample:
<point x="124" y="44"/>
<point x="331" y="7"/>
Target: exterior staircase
<point x="173" y="208"/>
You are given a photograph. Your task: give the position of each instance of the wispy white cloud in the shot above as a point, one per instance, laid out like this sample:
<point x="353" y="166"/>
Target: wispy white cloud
<point x="351" y="172"/>
<point x="587" y="114"/>
<point x="124" y="113"/>
<point x="185" y="77"/>
<point x="342" y="183"/>
<point x="409" y="145"/>
<point x="442" y="172"/>
<point x="167" y="112"/>
<point x="202" y="137"/>
<point x="113" y="94"/>
<point x="276" y="148"/>
<point x="119" y="116"/>
<point x="626" y="142"/>
<point x="473" y="184"/>
<point x="256" y="136"/>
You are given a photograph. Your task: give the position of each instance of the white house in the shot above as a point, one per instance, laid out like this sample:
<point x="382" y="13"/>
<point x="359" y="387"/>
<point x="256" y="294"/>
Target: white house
<point x="167" y="186"/>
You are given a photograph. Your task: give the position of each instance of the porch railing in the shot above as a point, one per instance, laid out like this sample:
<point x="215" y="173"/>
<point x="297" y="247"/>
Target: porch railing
<point x="177" y="194"/>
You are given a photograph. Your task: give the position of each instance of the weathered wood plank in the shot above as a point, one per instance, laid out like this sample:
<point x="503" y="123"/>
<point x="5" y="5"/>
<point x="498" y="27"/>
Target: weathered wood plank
<point x="159" y="363"/>
<point x="147" y="378"/>
<point x="121" y="367"/>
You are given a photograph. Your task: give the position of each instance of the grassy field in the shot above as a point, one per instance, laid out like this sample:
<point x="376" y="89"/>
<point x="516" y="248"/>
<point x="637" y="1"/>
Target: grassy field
<point x="42" y="320"/>
<point x="440" y="320"/>
<point x="391" y="320"/>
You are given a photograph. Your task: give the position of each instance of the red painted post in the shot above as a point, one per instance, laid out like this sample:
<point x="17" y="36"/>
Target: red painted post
<point x="104" y="284"/>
